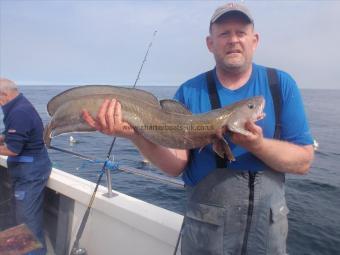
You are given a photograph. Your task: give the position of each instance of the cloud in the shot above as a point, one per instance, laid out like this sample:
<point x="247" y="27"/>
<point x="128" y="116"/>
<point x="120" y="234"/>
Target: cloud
<point x="78" y="42"/>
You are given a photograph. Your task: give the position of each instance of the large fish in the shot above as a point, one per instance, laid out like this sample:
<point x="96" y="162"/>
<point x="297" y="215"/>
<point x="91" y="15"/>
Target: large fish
<point x="166" y="122"/>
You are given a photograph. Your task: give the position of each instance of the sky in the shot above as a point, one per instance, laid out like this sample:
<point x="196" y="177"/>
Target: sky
<point x="56" y="42"/>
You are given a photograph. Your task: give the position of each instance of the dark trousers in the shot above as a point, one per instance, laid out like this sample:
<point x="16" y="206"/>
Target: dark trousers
<point x="236" y="213"/>
<point x="29" y="181"/>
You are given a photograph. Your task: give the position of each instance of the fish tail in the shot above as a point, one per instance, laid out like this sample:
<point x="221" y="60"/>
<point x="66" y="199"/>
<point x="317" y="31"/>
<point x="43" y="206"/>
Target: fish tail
<point x="47" y="135"/>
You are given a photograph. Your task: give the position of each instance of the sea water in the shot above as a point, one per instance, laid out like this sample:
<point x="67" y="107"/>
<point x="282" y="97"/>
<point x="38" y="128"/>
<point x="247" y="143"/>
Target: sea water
<point x="313" y="199"/>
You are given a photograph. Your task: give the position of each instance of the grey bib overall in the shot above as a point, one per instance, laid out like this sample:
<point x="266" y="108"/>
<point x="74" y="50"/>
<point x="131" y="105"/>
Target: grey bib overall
<point x="234" y="212"/>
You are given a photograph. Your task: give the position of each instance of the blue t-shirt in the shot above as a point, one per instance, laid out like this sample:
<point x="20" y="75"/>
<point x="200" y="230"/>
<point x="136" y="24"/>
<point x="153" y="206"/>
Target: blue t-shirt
<point x="194" y="95"/>
<point x="23" y="128"/>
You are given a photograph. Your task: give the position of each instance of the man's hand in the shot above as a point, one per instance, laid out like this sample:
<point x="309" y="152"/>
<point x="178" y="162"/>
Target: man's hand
<point x="6" y="152"/>
<point x="280" y="155"/>
<point x="250" y="142"/>
<point x="109" y="120"/>
<point x="2" y="139"/>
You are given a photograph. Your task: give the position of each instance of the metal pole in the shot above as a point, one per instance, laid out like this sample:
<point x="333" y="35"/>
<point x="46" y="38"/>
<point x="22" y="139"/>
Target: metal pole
<point x="109" y="183"/>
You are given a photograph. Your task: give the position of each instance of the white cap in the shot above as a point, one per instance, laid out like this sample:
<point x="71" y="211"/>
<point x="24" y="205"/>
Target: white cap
<point x="231" y="8"/>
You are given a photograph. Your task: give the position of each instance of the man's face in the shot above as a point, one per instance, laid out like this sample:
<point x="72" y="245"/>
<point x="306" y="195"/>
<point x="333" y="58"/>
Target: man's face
<point x="233" y="43"/>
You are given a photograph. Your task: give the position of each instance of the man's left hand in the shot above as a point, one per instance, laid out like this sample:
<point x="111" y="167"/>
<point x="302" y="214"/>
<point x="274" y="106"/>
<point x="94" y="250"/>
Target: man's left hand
<point x="250" y="142"/>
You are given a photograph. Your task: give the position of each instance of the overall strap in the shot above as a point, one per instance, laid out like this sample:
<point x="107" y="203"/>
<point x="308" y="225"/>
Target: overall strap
<point x="213" y="96"/>
<point x="276" y="95"/>
<point x="275" y="90"/>
<point x="215" y="104"/>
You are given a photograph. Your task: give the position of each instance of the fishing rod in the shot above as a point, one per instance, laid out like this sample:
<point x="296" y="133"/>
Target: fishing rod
<point x="144" y="60"/>
<point x="76" y="250"/>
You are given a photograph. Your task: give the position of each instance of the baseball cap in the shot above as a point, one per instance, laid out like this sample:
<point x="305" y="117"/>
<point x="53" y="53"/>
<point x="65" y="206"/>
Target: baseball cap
<point x="231" y="8"/>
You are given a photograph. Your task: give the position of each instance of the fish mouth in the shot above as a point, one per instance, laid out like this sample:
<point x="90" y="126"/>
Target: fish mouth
<point x="260" y="114"/>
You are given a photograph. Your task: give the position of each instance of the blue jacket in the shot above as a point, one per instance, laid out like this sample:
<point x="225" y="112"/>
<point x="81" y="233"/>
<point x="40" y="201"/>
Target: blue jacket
<point x="23" y="128"/>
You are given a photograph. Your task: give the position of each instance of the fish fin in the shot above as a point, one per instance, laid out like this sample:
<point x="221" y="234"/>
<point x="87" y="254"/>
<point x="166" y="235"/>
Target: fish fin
<point x="218" y="148"/>
<point x="77" y="128"/>
<point x="90" y="90"/>
<point x="221" y="148"/>
<point x="173" y="106"/>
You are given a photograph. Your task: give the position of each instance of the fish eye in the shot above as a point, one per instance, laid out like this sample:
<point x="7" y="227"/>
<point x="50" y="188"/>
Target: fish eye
<point x="251" y="106"/>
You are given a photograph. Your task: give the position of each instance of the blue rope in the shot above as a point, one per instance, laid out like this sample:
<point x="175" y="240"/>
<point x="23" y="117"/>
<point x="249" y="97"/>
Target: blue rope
<point x="109" y="164"/>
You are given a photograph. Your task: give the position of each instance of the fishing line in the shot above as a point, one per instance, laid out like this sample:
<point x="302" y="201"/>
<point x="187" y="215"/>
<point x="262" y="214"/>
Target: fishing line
<point x="72" y="153"/>
<point x="126" y="169"/>
<point x="75" y="247"/>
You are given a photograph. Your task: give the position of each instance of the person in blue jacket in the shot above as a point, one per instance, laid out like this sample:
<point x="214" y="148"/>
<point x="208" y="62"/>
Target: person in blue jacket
<point x="232" y="207"/>
<point x="28" y="163"/>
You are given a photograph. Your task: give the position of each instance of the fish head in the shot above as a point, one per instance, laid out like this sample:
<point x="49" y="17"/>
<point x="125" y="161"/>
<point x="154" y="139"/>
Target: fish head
<point x="243" y="111"/>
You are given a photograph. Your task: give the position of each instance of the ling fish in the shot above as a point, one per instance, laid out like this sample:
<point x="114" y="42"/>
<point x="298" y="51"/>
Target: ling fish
<point x="166" y="122"/>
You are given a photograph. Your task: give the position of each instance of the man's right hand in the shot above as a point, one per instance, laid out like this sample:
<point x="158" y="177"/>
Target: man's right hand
<point x="109" y="120"/>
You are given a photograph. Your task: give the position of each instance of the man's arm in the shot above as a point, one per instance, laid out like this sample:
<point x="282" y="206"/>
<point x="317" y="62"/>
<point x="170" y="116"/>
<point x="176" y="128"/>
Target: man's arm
<point x="280" y="155"/>
<point x="6" y="152"/>
<point x="109" y="121"/>
<point x="171" y="161"/>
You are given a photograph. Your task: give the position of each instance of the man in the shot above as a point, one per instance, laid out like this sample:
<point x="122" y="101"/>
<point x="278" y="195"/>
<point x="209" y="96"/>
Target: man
<point x="28" y="163"/>
<point x="233" y="207"/>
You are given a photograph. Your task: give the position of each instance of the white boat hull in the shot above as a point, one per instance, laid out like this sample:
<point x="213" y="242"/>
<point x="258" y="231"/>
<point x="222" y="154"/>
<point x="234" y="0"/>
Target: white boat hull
<point x="116" y="225"/>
